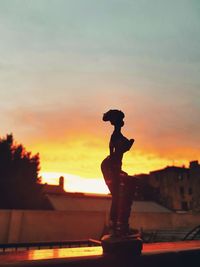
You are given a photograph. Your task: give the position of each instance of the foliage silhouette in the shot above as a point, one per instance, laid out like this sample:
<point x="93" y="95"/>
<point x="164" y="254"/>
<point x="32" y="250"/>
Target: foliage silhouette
<point x="19" y="181"/>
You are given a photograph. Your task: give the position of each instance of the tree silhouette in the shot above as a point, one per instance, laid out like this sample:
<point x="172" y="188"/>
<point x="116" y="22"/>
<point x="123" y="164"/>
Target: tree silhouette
<point x="19" y="187"/>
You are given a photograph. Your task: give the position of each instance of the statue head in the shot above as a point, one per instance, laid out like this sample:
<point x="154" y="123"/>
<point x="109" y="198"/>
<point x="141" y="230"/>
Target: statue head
<point x="115" y="117"/>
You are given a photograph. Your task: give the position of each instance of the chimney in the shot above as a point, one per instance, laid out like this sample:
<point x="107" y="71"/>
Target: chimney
<point x="61" y="182"/>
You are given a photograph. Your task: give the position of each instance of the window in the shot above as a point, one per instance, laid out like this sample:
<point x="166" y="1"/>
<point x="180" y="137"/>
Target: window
<point x="184" y="205"/>
<point x="158" y="178"/>
<point x="180" y="177"/>
<point x="181" y="189"/>
<point x="190" y="190"/>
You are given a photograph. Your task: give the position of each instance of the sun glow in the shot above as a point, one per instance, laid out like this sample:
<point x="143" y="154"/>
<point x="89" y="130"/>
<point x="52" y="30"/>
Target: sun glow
<point x="78" y="160"/>
<point x="75" y="183"/>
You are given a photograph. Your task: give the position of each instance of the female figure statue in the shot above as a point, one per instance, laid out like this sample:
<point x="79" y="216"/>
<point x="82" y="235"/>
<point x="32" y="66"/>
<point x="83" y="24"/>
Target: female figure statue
<point x="116" y="179"/>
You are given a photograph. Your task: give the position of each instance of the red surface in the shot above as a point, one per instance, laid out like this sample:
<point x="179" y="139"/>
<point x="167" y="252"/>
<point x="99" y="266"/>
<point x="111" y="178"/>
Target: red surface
<point x="7" y="258"/>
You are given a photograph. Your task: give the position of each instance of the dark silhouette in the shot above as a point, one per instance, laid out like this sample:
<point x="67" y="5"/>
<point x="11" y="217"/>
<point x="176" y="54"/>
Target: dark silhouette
<point x="120" y="240"/>
<point x="19" y="187"/>
<point x="116" y="179"/>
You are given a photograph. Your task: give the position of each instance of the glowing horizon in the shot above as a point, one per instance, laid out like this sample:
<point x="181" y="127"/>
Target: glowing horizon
<point x="96" y="185"/>
<point x="75" y="183"/>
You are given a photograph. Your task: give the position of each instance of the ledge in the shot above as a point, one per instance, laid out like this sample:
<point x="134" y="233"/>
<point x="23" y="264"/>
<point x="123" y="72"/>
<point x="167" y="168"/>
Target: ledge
<point x="156" y="254"/>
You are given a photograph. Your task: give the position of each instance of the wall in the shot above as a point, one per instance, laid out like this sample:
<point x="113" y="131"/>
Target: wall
<point x="35" y="226"/>
<point x="155" y="221"/>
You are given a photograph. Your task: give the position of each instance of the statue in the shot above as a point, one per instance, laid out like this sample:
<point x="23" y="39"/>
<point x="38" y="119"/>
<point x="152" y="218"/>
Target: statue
<point x="118" y="183"/>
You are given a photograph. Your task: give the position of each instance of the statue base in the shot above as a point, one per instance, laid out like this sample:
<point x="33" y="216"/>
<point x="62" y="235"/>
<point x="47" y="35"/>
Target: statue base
<point x="127" y="245"/>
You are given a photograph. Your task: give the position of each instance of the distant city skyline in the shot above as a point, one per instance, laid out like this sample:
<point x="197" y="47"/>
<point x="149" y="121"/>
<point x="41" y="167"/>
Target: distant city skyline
<point x="64" y="63"/>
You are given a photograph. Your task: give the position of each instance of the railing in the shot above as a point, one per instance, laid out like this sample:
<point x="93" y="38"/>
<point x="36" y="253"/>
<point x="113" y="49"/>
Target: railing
<point x="167" y="235"/>
<point x="54" y="244"/>
<point x="194" y="234"/>
<point x="164" y="235"/>
<point x="171" y="235"/>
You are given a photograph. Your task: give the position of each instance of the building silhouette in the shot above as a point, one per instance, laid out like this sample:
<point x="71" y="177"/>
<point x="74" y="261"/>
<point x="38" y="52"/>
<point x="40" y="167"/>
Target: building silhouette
<point x="54" y="189"/>
<point x="177" y="188"/>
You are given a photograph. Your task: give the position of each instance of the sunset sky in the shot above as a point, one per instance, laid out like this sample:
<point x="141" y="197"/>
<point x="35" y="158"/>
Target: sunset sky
<point x="64" y="63"/>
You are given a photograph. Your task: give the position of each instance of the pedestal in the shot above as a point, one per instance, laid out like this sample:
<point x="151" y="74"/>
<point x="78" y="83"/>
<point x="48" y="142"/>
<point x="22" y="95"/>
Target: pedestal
<point x="127" y="245"/>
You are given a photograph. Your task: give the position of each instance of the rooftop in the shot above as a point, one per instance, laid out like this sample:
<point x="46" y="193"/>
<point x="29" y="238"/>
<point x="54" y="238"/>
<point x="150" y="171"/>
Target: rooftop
<point x="82" y="202"/>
